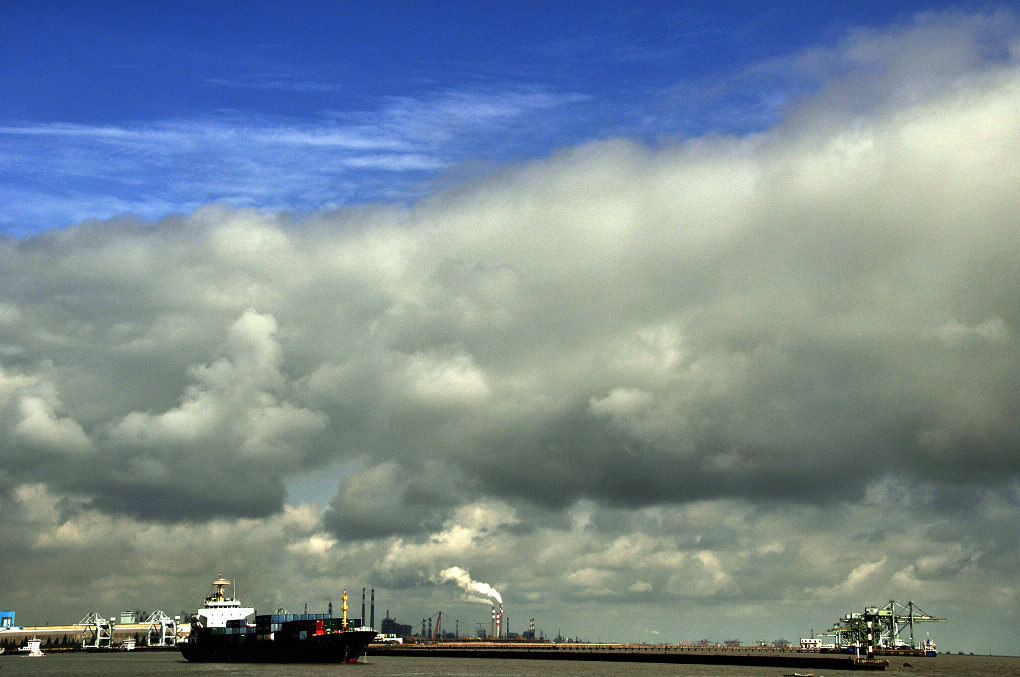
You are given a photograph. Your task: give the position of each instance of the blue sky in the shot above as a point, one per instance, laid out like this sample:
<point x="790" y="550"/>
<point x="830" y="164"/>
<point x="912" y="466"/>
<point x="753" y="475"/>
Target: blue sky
<point x="110" y="108"/>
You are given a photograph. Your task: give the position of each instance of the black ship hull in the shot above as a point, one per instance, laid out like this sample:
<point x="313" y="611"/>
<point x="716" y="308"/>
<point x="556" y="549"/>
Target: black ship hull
<point x="334" y="647"/>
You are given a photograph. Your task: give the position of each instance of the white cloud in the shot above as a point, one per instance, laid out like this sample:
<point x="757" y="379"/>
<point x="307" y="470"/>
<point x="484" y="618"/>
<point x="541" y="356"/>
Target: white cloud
<point x="854" y="583"/>
<point x="621" y="402"/>
<point x="235" y="395"/>
<point x="593" y="582"/>
<point x="40" y="427"/>
<point x="445" y="380"/>
<point x="954" y="333"/>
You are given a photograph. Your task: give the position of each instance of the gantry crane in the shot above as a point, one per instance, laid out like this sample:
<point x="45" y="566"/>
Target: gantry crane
<point x="97" y="632"/>
<point x="162" y="629"/>
<point x="883" y="626"/>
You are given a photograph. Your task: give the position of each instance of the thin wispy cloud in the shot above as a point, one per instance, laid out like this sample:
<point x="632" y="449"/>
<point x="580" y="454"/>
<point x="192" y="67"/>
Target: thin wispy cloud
<point x="274" y="83"/>
<point x="255" y="161"/>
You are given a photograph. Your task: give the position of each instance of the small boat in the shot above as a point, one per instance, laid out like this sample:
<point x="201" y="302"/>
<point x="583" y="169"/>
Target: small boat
<point x="127" y="645"/>
<point x="929" y="648"/>
<point x="31" y="647"/>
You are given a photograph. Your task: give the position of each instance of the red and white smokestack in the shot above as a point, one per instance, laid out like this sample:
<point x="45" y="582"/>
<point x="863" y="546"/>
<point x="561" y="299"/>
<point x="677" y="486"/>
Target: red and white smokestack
<point x="499" y="622"/>
<point x="492" y="631"/>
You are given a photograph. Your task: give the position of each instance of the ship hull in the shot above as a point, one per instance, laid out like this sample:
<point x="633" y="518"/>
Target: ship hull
<point x="337" y="647"/>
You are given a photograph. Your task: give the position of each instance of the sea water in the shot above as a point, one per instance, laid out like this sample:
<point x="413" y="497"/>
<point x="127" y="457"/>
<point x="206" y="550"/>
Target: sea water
<point x="171" y="663"/>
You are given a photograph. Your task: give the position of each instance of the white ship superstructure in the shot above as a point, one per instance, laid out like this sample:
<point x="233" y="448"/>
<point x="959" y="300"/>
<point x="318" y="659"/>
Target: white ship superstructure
<point x="32" y="647"/>
<point x="219" y="609"/>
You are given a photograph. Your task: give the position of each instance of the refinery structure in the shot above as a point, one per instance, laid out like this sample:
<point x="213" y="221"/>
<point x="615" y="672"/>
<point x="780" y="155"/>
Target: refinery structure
<point x="433" y="629"/>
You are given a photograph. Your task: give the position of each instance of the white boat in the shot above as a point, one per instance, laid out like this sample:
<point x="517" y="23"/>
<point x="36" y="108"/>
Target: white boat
<point x="31" y="647"/>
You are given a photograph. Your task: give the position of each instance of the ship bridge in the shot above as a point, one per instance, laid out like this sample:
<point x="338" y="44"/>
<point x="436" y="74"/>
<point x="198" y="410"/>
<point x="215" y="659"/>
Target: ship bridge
<point x="219" y="608"/>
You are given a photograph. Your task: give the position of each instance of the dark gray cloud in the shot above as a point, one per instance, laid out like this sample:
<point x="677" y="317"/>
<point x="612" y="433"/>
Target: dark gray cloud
<point x="773" y="371"/>
<point x="394" y="500"/>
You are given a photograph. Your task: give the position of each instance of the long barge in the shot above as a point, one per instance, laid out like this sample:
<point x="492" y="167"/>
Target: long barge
<point x="748" y="656"/>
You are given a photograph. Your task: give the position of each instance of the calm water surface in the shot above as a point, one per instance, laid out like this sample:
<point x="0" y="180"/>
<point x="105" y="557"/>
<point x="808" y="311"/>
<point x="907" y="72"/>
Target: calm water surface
<point x="165" y="663"/>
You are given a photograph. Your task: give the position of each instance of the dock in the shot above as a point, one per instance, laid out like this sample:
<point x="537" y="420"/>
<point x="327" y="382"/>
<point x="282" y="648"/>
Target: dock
<point x="634" y="653"/>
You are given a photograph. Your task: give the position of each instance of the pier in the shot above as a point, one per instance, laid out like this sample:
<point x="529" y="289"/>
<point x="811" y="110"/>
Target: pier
<point x="637" y="653"/>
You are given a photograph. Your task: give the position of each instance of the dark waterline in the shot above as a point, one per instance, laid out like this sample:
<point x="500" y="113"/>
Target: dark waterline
<point x="170" y="663"/>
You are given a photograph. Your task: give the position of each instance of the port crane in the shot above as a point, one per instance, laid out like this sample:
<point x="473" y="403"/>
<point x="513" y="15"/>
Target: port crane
<point x="97" y="632"/>
<point x="162" y="629"/>
<point x="887" y="626"/>
<point x="433" y="634"/>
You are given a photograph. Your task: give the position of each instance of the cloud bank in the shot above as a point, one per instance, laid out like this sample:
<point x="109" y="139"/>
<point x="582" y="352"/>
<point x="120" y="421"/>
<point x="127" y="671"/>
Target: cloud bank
<point x="691" y="373"/>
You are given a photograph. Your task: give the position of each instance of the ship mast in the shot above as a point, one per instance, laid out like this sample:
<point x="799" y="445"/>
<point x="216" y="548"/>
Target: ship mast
<point x="220" y="582"/>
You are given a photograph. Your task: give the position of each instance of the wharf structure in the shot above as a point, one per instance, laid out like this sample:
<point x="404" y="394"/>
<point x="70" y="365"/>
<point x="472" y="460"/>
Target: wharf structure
<point x="636" y="653"/>
<point x="96" y="633"/>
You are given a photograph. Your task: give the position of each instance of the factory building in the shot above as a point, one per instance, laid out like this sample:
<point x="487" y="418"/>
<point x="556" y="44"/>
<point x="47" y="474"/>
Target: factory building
<point x="391" y="627"/>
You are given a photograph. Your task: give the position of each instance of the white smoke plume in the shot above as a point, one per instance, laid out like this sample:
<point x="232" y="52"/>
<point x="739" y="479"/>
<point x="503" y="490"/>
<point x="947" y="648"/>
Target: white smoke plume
<point x="462" y="578"/>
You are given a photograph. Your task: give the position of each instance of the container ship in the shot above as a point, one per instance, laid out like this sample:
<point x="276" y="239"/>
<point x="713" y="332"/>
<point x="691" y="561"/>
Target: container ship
<point x="222" y="633"/>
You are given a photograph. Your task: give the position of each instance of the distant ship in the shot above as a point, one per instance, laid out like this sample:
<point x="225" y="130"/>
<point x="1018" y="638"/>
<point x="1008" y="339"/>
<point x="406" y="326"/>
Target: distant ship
<point x="31" y="648"/>
<point x="929" y="648"/>
<point x="222" y="634"/>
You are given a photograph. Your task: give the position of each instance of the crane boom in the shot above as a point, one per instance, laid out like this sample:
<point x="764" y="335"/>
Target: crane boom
<point x="435" y="632"/>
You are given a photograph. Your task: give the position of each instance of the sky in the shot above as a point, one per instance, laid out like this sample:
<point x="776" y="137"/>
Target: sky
<point x="665" y="323"/>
